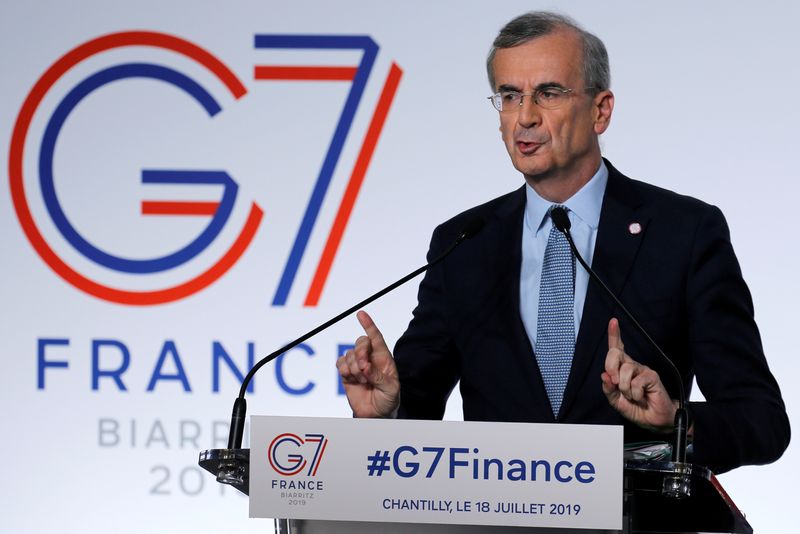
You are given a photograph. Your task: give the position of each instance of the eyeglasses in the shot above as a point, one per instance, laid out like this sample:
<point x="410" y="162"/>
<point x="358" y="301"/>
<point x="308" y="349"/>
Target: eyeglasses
<point x="545" y="97"/>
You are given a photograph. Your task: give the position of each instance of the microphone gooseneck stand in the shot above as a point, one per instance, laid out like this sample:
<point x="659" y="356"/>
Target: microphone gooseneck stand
<point x="230" y="465"/>
<point x="676" y="484"/>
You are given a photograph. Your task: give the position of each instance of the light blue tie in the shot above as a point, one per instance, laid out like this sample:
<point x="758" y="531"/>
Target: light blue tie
<point x="555" y="328"/>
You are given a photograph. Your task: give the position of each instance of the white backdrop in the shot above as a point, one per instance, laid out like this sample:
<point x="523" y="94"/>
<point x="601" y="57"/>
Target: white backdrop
<point x="705" y="105"/>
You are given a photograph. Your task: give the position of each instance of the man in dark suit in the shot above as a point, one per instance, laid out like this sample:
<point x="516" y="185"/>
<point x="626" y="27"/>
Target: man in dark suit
<point x="508" y="290"/>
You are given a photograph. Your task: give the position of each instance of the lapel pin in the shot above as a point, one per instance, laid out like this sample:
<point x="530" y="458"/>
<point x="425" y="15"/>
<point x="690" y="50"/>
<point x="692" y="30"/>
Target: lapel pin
<point x="635" y="228"/>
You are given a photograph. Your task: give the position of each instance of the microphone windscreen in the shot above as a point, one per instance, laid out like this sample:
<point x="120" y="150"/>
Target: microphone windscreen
<point x="560" y="219"/>
<point x="472" y="227"/>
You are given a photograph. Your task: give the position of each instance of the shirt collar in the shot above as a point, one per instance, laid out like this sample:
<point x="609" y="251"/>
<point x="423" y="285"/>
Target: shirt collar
<point x="585" y="204"/>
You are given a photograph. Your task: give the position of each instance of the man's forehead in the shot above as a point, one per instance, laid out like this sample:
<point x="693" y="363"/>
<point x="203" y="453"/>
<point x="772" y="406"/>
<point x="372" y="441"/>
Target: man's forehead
<point x="556" y="57"/>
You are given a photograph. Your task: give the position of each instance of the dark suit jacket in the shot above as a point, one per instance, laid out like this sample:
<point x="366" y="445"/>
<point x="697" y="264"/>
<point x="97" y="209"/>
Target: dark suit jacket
<point x="679" y="276"/>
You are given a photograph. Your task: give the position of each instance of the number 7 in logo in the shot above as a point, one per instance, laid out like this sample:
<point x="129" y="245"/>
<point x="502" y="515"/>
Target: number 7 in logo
<point x="358" y="76"/>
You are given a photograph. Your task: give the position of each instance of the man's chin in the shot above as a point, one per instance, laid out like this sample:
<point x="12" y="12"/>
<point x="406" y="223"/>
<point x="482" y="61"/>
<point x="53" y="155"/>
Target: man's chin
<point x="533" y="170"/>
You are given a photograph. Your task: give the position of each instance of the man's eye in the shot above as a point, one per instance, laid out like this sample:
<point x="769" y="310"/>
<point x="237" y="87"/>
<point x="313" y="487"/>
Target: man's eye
<point x="510" y="97"/>
<point x="549" y="94"/>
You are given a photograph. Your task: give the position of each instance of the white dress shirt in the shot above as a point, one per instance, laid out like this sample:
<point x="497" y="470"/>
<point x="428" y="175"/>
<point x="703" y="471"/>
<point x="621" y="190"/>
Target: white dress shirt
<point x="584" y="214"/>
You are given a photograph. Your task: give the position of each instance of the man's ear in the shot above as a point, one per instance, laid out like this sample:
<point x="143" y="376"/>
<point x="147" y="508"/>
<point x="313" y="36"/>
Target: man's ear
<point x="603" y="107"/>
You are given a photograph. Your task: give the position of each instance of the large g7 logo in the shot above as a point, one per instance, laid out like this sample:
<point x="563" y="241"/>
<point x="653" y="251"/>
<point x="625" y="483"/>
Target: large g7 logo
<point x="184" y="261"/>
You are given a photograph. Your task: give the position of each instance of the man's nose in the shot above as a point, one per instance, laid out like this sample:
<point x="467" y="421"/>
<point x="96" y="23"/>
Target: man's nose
<point x="529" y="113"/>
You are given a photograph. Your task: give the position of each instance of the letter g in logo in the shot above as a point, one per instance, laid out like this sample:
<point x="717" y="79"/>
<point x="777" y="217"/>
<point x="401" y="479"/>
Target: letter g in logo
<point x="218" y="212"/>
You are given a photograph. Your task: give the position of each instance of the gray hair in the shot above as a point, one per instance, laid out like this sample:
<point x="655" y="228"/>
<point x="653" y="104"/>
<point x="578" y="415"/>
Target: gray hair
<point x="596" y="72"/>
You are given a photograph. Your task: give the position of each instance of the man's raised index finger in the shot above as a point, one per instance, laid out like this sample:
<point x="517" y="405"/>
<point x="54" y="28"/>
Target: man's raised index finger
<point x="371" y="329"/>
<point x="614" y="335"/>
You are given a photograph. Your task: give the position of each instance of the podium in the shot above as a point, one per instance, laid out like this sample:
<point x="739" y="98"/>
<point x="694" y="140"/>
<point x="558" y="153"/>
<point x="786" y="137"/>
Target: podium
<point x="301" y="453"/>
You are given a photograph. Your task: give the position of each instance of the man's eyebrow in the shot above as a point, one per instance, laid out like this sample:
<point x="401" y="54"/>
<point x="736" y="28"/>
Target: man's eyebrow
<point x="543" y="85"/>
<point x="550" y="85"/>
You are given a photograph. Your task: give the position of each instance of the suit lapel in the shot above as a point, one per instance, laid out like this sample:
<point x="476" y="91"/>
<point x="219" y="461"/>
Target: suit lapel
<point x="614" y="255"/>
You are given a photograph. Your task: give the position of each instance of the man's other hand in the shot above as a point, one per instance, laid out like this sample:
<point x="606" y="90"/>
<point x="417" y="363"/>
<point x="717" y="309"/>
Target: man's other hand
<point x="635" y="390"/>
<point x="369" y="374"/>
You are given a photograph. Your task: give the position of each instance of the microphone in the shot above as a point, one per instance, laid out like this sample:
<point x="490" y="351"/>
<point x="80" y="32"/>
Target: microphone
<point x="676" y="485"/>
<point x="230" y="465"/>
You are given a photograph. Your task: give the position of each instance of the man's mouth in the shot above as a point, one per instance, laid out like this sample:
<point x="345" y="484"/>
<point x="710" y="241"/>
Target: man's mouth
<point x="527" y="147"/>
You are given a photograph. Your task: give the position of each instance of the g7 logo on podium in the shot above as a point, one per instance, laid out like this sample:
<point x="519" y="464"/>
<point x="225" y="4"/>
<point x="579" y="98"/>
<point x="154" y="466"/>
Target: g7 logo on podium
<point x="157" y="276"/>
<point x="289" y="454"/>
